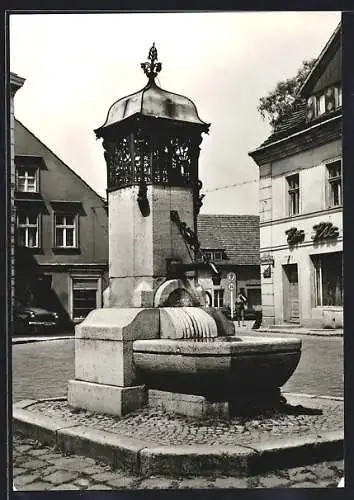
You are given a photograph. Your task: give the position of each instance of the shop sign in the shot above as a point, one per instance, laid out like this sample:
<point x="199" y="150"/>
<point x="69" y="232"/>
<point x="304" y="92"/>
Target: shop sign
<point x="267" y="259"/>
<point x="294" y="236"/>
<point x="267" y="273"/>
<point x="325" y="231"/>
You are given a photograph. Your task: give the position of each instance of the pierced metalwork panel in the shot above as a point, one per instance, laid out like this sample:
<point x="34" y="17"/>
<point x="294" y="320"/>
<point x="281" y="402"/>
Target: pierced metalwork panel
<point x="157" y="159"/>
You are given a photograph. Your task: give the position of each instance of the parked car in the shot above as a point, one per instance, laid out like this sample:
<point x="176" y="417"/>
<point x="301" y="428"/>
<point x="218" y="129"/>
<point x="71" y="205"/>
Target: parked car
<point x="34" y="319"/>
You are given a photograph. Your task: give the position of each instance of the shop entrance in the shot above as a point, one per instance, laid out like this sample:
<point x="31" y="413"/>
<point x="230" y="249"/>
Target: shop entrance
<point x="291" y="293"/>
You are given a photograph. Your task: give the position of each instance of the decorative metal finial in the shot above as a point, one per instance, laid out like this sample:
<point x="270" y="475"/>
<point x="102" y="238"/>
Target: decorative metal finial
<point x="152" y="68"/>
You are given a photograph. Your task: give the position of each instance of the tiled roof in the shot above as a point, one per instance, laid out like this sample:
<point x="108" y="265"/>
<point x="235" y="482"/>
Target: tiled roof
<point x="296" y="122"/>
<point x="290" y="124"/>
<point x="238" y="235"/>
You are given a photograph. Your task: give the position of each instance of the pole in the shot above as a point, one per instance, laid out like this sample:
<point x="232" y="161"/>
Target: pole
<point x="232" y="304"/>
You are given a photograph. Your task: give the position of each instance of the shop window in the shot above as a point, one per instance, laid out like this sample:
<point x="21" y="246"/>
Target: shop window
<point x="334" y="170"/>
<point x="293" y="194"/>
<point x="27" y="179"/>
<point x="85" y="296"/>
<point x="219" y="298"/>
<point x="328" y="279"/>
<point x="28" y="230"/>
<point x="65" y="231"/>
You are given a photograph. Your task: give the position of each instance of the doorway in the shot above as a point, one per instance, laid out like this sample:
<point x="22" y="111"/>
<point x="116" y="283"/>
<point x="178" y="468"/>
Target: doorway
<point x="291" y="293"/>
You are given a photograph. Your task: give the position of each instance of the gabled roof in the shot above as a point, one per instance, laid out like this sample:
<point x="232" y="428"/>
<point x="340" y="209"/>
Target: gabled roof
<point x="57" y="157"/>
<point x="238" y="235"/>
<point x="321" y="61"/>
<point x="296" y="120"/>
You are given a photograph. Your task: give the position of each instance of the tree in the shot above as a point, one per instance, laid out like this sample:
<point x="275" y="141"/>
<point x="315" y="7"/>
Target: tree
<point x="280" y="102"/>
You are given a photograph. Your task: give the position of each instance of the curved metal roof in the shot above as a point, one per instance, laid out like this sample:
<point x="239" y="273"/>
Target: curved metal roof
<point x="153" y="101"/>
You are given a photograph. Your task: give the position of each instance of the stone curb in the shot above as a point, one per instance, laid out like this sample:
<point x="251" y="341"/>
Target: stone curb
<point x="139" y="457"/>
<point x="318" y="333"/>
<point x="30" y="340"/>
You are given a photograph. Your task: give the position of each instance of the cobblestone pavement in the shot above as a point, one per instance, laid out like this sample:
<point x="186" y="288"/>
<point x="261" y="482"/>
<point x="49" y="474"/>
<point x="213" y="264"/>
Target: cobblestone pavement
<point x="160" y="427"/>
<point x="39" y="467"/>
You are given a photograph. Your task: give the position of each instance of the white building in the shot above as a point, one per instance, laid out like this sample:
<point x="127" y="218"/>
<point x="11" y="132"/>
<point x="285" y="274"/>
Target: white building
<point x="301" y="228"/>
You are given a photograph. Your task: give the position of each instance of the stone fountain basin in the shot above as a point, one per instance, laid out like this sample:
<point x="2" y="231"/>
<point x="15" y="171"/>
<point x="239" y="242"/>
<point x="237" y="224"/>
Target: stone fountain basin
<point x="218" y="368"/>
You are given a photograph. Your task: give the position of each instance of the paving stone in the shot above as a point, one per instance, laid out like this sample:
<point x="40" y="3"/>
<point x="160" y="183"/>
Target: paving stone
<point x="34" y="464"/>
<point x="303" y="484"/>
<point x="74" y="463"/>
<point x="37" y="486"/>
<point x="274" y="481"/>
<point x="156" y="483"/>
<point x="195" y="482"/>
<point x="82" y="482"/>
<point x="102" y="477"/>
<point x="95" y="469"/>
<point x="100" y="487"/>
<point x="302" y="476"/>
<point x="49" y="470"/>
<point x="124" y="482"/>
<point x="26" y="479"/>
<point x="38" y="452"/>
<point x="17" y="471"/>
<point x="65" y="487"/>
<point x="230" y="482"/>
<point x="21" y="448"/>
<point x="323" y="471"/>
<point x="61" y="476"/>
<point x="21" y="459"/>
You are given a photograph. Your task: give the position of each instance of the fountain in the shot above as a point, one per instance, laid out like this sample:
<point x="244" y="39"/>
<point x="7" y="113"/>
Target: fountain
<point x="155" y="342"/>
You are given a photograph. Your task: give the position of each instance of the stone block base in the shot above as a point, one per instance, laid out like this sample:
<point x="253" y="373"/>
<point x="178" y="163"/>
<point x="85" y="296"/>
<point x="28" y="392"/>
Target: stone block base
<point x="109" y="399"/>
<point x="193" y="405"/>
<point x="190" y="405"/>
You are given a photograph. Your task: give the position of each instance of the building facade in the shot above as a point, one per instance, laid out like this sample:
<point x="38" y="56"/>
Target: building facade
<point x="301" y="227"/>
<point x="231" y="242"/>
<point x="16" y="82"/>
<point x="61" y="232"/>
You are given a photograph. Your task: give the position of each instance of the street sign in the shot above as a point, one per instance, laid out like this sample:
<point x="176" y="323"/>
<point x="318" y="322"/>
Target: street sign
<point x="231" y="286"/>
<point x="231" y="277"/>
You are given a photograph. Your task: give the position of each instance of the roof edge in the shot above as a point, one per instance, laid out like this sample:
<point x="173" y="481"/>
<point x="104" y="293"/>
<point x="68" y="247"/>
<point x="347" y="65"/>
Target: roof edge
<point x="319" y="60"/>
<point x="57" y="157"/>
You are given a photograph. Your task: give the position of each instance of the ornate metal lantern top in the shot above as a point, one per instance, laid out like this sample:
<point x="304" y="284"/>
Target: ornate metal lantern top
<point x="153" y="101"/>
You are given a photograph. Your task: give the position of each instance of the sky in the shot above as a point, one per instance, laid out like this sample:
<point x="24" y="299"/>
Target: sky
<point x="77" y="65"/>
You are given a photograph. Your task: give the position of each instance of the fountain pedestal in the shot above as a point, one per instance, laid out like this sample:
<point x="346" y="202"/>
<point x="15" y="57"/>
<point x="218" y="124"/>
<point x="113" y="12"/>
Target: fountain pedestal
<point x="105" y="378"/>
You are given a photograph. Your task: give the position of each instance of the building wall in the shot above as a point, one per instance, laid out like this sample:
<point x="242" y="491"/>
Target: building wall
<point x="16" y="83"/>
<point x="60" y="189"/>
<point x="274" y="221"/>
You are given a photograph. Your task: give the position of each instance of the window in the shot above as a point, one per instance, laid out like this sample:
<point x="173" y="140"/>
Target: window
<point x="65" y="231"/>
<point x="218" y="298"/>
<point x="27" y="230"/>
<point x="334" y="170"/>
<point x="320" y="104"/>
<point x="293" y="194"/>
<point x="327" y="101"/>
<point x="27" y="179"/>
<point x="85" y="296"/>
<point x="328" y="279"/>
<point x="213" y="255"/>
<point x="338" y="96"/>
<point x="217" y="255"/>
